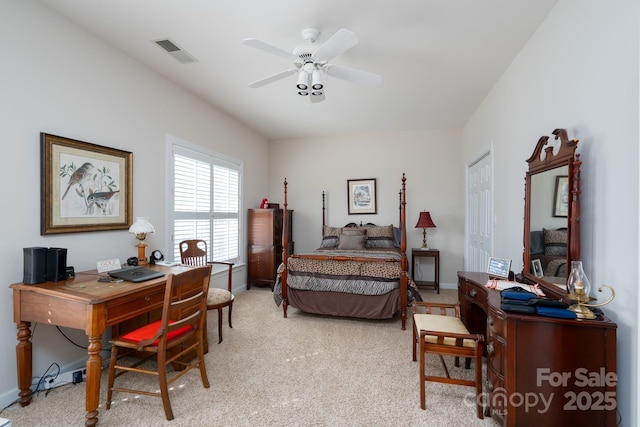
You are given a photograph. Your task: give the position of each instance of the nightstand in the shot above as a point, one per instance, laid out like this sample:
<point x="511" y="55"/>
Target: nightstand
<point x="426" y="253"/>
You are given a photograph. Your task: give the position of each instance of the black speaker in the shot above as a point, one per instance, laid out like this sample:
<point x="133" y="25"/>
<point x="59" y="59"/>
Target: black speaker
<point x="56" y="264"/>
<point x="35" y="265"/>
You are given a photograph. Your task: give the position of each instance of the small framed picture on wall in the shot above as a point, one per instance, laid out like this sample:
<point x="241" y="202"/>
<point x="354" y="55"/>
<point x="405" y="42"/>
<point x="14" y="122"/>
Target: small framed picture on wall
<point x="361" y="196"/>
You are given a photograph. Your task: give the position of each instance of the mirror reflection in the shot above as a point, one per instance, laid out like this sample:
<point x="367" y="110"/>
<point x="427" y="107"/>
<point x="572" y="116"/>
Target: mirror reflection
<point x="548" y="224"/>
<point x="552" y="212"/>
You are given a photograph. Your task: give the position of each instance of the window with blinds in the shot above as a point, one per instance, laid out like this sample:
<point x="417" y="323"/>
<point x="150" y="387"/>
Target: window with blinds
<point x="206" y="201"/>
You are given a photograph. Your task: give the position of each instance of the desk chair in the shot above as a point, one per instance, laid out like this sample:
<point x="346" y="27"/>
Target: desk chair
<point x="171" y="340"/>
<point x="194" y="252"/>
<point x="446" y="335"/>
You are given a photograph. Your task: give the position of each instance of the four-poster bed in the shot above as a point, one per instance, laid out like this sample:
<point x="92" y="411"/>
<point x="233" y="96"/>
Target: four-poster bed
<point x="357" y="272"/>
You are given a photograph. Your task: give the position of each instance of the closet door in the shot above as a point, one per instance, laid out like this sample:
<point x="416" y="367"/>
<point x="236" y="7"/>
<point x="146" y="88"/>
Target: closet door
<point x="479" y="239"/>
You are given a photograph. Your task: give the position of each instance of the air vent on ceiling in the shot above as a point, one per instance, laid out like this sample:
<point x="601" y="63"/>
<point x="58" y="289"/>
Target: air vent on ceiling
<point x="178" y="53"/>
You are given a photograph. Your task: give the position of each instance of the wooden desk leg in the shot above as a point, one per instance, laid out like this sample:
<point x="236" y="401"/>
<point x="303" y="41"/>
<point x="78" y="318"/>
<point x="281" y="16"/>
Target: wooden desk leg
<point x="94" y="364"/>
<point x="23" y="357"/>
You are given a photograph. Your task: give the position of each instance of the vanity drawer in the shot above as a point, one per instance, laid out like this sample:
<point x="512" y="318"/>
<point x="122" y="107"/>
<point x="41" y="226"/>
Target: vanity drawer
<point x="473" y="292"/>
<point x="495" y="352"/>
<point x="497" y="396"/>
<point x="496" y="323"/>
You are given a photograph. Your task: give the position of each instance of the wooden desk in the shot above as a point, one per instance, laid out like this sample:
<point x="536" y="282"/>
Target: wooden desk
<point x="571" y="364"/>
<point x="426" y="253"/>
<point x="81" y="303"/>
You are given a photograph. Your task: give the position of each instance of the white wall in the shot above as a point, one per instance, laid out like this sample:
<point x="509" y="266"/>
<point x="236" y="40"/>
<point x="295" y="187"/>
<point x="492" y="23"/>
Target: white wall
<point x="58" y="79"/>
<point x="435" y="182"/>
<point x="579" y="72"/>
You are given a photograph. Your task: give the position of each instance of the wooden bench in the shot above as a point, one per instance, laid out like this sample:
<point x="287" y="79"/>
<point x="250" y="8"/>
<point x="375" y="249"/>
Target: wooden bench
<point x="440" y="331"/>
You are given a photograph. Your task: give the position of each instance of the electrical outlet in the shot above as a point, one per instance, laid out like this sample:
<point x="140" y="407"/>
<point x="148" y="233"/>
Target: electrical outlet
<point x="108" y="265"/>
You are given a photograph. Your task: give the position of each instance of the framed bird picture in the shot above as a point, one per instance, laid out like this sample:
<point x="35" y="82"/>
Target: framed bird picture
<point x="84" y="186"/>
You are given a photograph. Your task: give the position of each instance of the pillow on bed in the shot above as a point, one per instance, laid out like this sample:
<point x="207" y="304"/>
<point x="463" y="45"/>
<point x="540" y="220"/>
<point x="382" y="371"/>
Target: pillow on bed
<point x="555" y="242"/>
<point x="352" y="241"/>
<point x="354" y="231"/>
<point x="331" y="231"/>
<point x="330" y="237"/>
<point x="380" y="237"/>
<point x="397" y="233"/>
<point x="329" y="242"/>
<point x="536" y="243"/>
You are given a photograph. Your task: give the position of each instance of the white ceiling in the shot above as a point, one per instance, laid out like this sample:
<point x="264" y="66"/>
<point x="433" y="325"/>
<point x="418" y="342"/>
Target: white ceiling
<point x="438" y="58"/>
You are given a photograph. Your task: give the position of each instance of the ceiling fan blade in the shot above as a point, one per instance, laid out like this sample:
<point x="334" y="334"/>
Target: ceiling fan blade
<point x="258" y="44"/>
<point x="341" y="41"/>
<point x="353" y="75"/>
<point x="273" y="78"/>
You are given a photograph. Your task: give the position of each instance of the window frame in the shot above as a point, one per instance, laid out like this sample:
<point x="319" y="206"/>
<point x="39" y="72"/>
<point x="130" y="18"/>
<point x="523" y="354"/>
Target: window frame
<point x="198" y="152"/>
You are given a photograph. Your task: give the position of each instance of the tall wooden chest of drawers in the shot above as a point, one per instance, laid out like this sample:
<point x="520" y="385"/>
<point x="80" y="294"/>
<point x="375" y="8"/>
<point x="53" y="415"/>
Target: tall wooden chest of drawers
<point x="264" y="240"/>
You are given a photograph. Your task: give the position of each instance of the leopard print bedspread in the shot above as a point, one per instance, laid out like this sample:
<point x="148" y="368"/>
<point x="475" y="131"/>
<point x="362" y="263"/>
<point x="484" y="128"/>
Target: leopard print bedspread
<point x="354" y="277"/>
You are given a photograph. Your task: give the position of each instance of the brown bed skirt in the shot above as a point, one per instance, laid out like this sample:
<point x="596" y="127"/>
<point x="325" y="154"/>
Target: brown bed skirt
<point x="347" y="305"/>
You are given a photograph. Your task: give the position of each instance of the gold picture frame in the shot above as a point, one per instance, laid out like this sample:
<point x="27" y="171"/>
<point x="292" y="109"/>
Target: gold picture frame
<point x="84" y="186"/>
<point x="361" y="196"/>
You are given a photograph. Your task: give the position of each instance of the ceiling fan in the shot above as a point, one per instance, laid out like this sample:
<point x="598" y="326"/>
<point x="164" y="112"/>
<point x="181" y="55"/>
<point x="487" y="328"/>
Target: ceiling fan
<point x="311" y="63"/>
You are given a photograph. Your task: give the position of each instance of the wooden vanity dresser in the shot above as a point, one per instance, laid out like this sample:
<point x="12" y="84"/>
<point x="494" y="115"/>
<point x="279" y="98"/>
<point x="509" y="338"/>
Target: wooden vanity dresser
<point x="541" y="370"/>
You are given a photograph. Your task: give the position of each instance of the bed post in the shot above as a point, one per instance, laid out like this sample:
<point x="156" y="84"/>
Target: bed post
<point x="323" y="217"/>
<point x="285" y="251"/>
<point x="404" y="277"/>
<point x="400" y="208"/>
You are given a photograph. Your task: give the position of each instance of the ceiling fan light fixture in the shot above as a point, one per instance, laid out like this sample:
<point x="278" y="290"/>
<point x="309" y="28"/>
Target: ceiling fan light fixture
<point x="310" y="61"/>
<point x="316" y="80"/>
<point x="303" y="80"/>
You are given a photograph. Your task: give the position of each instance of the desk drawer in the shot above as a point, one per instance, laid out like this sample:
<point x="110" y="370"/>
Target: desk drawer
<point x="133" y="305"/>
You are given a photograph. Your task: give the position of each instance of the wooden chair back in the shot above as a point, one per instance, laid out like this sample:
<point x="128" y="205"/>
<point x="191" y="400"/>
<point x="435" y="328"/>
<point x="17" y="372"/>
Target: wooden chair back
<point x="193" y="252"/>
<point x="173" y="340"/>
<point x="184" y="307"/>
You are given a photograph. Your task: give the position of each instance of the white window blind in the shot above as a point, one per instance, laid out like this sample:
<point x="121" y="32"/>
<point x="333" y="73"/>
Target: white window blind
<point x="206" y="203"/>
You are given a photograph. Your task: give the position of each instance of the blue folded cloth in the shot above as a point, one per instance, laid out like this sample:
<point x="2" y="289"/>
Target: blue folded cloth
<point x="560" y="313"/>
<point x="517" y="293"/>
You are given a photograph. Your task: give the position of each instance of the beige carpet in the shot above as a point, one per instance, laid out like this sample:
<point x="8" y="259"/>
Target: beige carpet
<point x="306" y="370"/>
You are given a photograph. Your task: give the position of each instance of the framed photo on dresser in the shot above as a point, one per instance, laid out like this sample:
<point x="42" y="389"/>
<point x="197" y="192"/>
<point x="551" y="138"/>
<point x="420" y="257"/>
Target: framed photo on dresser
<point x="536" y="266"/>
<point x="499" y="267"/>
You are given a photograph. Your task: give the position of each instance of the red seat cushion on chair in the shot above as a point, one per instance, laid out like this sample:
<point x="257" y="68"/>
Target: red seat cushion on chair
<point x="148" y="331"/>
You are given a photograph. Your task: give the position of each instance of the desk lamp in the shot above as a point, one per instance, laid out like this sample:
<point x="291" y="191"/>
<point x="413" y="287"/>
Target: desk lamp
<point x="424" y="222"/>
<point x="141" y="228"/>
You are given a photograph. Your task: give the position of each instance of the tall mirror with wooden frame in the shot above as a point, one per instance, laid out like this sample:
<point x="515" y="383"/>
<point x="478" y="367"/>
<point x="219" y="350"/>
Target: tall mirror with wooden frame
<point x="552" y="212"/>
